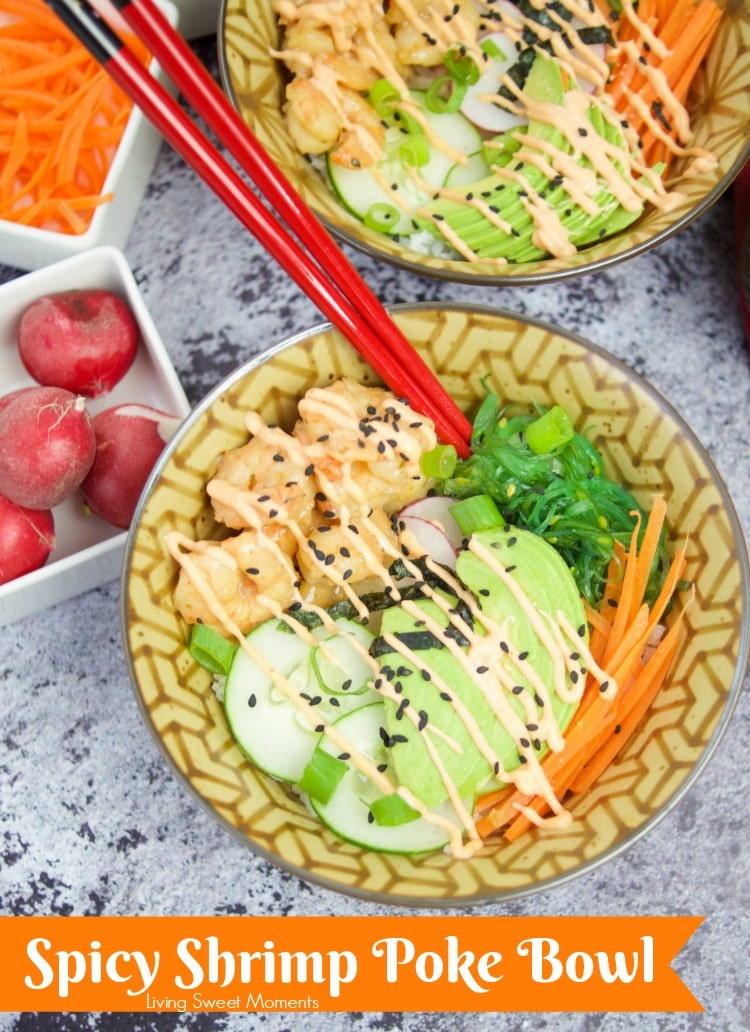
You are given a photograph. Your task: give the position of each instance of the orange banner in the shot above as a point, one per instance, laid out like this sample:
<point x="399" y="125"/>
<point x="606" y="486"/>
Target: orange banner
<point x="407" y="964"/>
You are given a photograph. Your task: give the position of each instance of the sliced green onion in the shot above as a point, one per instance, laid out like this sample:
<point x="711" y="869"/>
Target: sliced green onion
<point x="391" y="810"/>
<point x="415" y="150"/>
<point x="476" y="513"/>
<point x="550" y="431"/>
<point x="382" y="217"/>
<point x="491" y="49"/>
<point x="321" y="776"/>
<point x="439" y="104"/>
<point x="462" y="68"/>
<point x="211" y="649"/>
<point x="383" y="96"/>
<point x="440" y="461"/>
<point x="407" y="122"/>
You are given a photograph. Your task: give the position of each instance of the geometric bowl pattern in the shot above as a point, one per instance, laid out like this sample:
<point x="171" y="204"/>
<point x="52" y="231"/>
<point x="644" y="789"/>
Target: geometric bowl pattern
<point x="644" y="442"/>
<point x="720" y="112"/>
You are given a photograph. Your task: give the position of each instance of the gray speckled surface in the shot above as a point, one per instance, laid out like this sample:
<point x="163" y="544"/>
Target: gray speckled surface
<point x="92" y="821"/>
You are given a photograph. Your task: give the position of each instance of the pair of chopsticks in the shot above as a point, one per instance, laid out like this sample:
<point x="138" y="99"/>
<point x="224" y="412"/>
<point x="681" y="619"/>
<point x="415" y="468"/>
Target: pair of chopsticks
<point x="322" y="271"/>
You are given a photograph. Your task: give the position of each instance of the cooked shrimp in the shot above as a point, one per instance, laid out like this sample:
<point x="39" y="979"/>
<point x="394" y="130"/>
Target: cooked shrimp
<point x="362" y="551"/>
<point x="367" y="446"/>
<point x="313" y="120"/>
<point x="424" y="30"/>
<point x="247" y="574"/>
<point x="272" y="473"/>
<point x="324" y="114"/>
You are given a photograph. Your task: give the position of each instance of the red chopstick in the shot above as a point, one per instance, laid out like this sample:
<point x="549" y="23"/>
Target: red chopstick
<point x="333" y="284"/>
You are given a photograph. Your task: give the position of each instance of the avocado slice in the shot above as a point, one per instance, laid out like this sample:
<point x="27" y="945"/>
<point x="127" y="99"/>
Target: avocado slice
<point x="548" y="584"/>
<point x="504" y="196"/>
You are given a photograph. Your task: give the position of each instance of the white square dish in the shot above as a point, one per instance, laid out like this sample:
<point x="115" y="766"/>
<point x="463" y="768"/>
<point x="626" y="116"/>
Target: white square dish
<point x="198" y="17"/>
<point x="25" y="247"/>
<point x="89" y="551"/>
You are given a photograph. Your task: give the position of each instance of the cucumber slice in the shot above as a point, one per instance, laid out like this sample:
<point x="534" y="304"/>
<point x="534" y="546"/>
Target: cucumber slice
<point x="359" y="189"/>
<point x="339" y="667"/>
<point x="272" y="732"/>
<point x="476" y="168"/>
<point x="348" y="811"/>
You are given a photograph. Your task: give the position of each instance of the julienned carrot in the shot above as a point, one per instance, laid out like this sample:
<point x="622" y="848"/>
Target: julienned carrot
<point x="633" y="707"/>
<point x="61" y="120"/>
<point x="686" y="29"/>
<point x="602" y="726"/>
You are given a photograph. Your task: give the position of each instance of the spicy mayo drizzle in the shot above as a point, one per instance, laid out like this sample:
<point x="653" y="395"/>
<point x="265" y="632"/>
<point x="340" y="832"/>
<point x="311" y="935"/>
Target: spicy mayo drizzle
<point x="486" y="652"/>
<point x="405" y="42"/>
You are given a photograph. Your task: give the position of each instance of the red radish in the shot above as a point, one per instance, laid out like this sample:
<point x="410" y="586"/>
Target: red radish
<point x="82" y="340"/>
<point x="47" y="446"/>
<point x="129" y="440"/>
<point x="27" y="536"/>
<point x="437" y="509"/>
<point x="432" y="539"/>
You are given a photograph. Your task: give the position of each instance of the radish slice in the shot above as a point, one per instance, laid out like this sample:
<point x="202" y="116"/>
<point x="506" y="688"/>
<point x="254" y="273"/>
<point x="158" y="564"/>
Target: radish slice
<point x="475" y="105"/>
<point x="437" y="510"/>
<point x="431" y="538"/>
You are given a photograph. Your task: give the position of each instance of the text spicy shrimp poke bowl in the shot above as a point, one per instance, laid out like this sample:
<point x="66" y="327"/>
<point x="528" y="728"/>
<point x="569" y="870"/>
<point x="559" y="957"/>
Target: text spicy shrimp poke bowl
<point x="426" y="680"/>
<point x="492" y="141"/>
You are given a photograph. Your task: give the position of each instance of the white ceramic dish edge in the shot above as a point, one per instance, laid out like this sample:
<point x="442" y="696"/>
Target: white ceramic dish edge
<point x="27" y="248"/>
<point x="89" y="551"/>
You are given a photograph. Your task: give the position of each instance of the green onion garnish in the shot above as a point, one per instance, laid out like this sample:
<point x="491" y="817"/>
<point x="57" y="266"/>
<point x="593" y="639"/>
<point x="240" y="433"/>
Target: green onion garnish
<point x="461" y="68"/>
<point x="476" y="513"/>
<point x="550" y="431"/>
<point x="415" y="150"/>
<point x="435" y="99"/>
<point x="392" y="810"/>
<point x="491" y="49"/>
<point x="382" y="217"/>
<point x="383" y="96"/>
<point x="440" y="461"/>
<point x="321" y="776"/>
<point x="210" y="649"/>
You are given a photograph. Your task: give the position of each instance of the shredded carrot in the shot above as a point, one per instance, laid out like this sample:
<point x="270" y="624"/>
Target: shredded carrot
<point x="658" y="79"/>
<point x="601" y="725"/>
<point x="61" y="121"/>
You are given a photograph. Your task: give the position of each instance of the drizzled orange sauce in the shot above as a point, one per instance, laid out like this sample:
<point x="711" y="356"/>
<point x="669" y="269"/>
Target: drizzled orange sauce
<point x="441" y="25"/>
<point x="490" y="658"/>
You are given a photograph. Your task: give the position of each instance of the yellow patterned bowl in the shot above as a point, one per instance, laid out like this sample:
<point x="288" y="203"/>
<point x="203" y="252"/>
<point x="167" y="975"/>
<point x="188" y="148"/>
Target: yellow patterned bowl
<point x="720" y="107"/>
<point x="645" y="443"/>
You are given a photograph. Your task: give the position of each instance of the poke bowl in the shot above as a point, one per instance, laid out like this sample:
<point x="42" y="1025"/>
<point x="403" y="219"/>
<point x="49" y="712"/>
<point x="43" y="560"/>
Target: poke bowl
<point x="643" y="445"/>
<point x="432" y="208"/>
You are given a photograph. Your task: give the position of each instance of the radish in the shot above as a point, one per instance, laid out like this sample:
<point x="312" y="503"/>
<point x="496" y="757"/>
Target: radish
<point x="436" y="509"/>
<point x="47" y="446"/>
<point x="27" y="537"/>
<point x="431" y="538"/>
<point x="82" y="340"/>
<point x="129" y="440"/>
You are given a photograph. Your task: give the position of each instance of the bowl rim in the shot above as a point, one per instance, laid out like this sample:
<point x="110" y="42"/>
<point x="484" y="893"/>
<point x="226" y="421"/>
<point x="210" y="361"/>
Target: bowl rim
<point x="454" y="272"/>
<point x="479" y="898"/>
